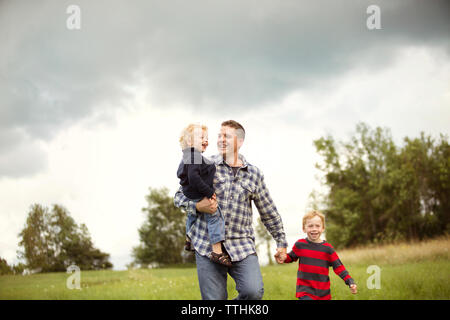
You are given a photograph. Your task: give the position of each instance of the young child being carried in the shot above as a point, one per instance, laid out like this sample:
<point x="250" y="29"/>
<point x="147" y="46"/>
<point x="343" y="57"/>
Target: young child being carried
<point x="196" y="174"/>
<point x="315" y="257"/>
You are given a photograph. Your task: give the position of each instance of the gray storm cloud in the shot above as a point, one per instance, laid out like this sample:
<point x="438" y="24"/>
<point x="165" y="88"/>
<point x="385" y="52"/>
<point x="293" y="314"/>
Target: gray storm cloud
<point x="238" y="55"/>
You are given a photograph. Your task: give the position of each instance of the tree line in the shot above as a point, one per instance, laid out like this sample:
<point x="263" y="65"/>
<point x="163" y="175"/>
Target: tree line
<point x="380" y="192"/>
<point x="51" y="241"/>
<point x="375" y="191"/>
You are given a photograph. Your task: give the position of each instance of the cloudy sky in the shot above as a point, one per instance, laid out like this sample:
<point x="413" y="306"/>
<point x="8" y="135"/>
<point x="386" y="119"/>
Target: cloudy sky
<point x="90" y="117"/>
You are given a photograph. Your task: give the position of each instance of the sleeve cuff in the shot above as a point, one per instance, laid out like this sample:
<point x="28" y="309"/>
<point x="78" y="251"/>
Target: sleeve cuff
<point x="288" y="259"/>
<point x="211" y="192"/>
<point x="191" y="207"/>
<point x="349" y="281"/>
<point x="282" y="243"/>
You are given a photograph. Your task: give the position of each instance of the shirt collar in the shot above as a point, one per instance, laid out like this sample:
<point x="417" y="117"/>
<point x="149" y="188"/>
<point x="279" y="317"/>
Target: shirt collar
<point x="218" y="159"/>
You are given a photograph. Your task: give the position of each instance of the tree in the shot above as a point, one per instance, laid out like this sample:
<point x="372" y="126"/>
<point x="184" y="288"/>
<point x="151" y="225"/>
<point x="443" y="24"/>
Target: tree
<point x="73" y="243"/>
<point x="52" y="241"/>
<point x="162" y="235"/>
<point x="4" y="267"/>
<point x="36" y="240"/>
<point x="380" y="192"/>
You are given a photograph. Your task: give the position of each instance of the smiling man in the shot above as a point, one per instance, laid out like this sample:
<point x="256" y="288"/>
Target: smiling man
<point x="237" y="183"/>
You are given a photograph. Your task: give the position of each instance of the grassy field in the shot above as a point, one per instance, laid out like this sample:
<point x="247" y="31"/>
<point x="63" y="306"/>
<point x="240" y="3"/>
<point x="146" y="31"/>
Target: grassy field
<point x="408" y="271"/>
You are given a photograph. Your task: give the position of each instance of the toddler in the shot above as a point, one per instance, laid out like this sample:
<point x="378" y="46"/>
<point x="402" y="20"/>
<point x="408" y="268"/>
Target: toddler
<point x="196" y="174"/>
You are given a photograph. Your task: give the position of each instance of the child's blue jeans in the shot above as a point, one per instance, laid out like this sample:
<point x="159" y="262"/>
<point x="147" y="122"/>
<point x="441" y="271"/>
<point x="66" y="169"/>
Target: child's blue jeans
<point x="216" y="225"/>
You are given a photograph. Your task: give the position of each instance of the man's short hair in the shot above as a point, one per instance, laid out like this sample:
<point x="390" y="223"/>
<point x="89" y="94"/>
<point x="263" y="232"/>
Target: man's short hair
<point x="240" y="131"/>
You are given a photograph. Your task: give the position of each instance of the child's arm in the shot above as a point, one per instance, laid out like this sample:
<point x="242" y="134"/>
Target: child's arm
<point x="288" y="258"/>
<point x="196" y="180"/>
<point x="340" y="270"/>
<point x="293" y="255"/>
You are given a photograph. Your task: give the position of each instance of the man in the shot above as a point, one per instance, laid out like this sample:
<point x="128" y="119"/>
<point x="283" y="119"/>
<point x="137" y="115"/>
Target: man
<point x="236" y="184"/>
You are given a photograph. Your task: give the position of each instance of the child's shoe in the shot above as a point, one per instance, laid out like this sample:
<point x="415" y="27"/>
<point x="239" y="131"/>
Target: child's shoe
<point x="221" y="258"/>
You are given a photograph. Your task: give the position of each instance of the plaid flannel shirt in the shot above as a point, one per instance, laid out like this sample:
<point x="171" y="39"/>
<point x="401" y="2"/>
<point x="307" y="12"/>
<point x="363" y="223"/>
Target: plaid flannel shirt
<point x="234" y="197"/>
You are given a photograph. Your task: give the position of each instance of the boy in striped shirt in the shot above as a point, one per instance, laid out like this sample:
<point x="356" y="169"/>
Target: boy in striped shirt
<point x="315" y="257"/>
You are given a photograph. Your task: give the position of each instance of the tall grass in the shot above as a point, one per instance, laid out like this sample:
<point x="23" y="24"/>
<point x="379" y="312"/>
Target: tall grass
<point x="399" y="253"/>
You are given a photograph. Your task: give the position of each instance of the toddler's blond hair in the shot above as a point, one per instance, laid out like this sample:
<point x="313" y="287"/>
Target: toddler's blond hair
<point x="188" y="133"/>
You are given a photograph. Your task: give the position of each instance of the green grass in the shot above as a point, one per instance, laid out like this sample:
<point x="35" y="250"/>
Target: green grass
<point x="422" y="280"/>
<point x="422" y="271"/>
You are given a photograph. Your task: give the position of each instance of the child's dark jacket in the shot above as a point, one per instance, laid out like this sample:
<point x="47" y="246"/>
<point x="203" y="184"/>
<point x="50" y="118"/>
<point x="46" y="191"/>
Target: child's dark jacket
<point x="196" y="174"/>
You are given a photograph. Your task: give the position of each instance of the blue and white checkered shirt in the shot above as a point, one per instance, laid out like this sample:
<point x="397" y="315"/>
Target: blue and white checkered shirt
<point x="234" y="196"/>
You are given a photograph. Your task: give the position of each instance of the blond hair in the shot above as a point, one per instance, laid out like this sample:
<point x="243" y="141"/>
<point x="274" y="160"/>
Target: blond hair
<point x="312" y="214"/>
<point x="188" y="133"/>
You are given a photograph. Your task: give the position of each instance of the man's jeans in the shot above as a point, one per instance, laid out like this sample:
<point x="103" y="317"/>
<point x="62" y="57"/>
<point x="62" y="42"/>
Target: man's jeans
<point x="216" y="225"/>
<point x="212" y="278"/>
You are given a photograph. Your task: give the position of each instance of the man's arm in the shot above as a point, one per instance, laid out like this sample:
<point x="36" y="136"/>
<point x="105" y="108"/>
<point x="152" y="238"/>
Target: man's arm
<point x="270" y="216"/>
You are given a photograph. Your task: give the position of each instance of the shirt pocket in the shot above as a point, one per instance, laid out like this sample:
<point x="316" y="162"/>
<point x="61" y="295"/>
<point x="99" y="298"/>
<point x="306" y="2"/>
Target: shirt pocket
<point x="246" y="191"/>
<point x="219" y="186"/>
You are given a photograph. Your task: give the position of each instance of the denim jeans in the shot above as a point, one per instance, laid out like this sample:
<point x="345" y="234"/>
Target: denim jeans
<point x="216" y="225"/>
<point x="212" y="278"/>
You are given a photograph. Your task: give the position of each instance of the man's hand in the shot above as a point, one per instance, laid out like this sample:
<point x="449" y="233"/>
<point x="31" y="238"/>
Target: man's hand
<point x="280" y="256"/>
<point x="206" y="205"/>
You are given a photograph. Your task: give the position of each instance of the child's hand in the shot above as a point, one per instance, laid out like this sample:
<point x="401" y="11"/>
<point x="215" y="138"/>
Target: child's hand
<point x="214" y="196"/>
<point x="280" y="256"/>
<point x="353" y="288"/>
